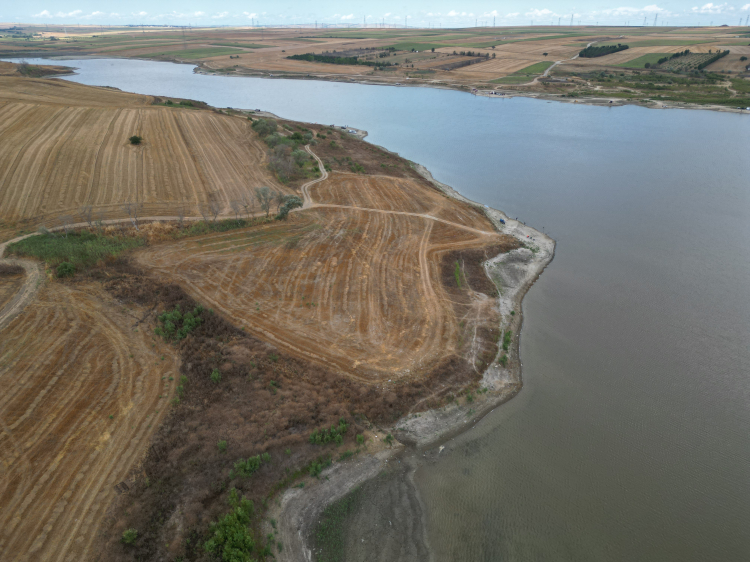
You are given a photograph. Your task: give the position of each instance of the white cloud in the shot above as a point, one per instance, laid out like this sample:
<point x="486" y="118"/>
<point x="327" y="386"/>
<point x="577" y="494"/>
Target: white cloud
<point x="386" y="15"/>
<point x="513" y="15"/>
<point x="221" y="15"/>
<point x="453" y="13"/>
<point x="541" y="13"/>
<point x="745" y="7"/>
<point x="140" y="13"/>
<point x="711" y="8"/>
<point x="628" y="11"/>
<point x="42" y="14"/>
<point x="349" y="17"/>
<point x="250" y="15"/>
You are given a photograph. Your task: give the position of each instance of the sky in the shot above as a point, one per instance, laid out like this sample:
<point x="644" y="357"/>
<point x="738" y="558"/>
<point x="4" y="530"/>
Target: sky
<point x="417" y="13"/>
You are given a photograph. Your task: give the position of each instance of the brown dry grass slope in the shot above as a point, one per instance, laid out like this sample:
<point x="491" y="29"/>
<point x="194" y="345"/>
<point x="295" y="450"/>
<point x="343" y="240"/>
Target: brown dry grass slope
<point x="67" y="364"/>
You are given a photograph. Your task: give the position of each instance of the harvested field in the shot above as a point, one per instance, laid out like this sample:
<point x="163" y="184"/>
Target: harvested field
<point x="394" y="194"/>
<point x="355" y="290"/>
<point x="83" y="392"/>
<point x="348" y="282"/>
<point x="11" y="281"/>
<point x="55" y="159"/>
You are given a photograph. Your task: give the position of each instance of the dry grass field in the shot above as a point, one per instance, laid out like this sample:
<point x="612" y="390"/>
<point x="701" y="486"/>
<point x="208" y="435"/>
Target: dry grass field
<point x="82" y="394"/>
<point x="64" y="146"/>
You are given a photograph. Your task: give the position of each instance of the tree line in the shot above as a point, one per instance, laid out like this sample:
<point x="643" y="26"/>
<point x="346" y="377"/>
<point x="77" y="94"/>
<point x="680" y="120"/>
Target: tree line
<point x="593" y="52"/>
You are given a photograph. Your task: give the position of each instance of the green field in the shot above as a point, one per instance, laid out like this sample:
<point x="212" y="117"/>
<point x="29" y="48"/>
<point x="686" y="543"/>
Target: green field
<point x="408" y="46"/>
<point x="537" y="68"/>
<point x="198" y="53"/>
<point x="640" y="62"/>
<point x="512" y="79"/>
<point x="244" y="45"/>
<point x="525" y="74"/>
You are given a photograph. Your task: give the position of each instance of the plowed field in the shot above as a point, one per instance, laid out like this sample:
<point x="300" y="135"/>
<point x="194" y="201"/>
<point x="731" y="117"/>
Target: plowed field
<point x="351" y="283"/>
<point x="54" y="158"/>
<point x="82" y="394"/>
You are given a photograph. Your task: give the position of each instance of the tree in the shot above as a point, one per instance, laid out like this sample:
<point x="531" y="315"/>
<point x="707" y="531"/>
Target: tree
<point x="181" y="213"/>
<point x="264" y="197"/>
<point x="214" y="207"/>
<point x="87" y="214"/>
<point x="133" y="210"/>
<point x="545" y="54"/>
<point x="67" y="223"/>
<point x="433" y="49"/>
<point x="278" y="198"/>
<point x="237" y="208"/>
<point x="264" y="127"/>
<point x="135" y="139"/>
<point x="246" y="199"/>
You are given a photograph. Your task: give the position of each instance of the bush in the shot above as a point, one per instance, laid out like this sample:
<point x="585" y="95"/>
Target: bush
<point x="245" y="468"/>
<point x="222" y="445"/>
<point x="129" y="536"/>
<point x="507" y="339"/>
<point x="135" y="139"/>
<point x="215" y="376"/>
<point x="176" y="326"/>
<point x="265" y="127"/>
<point x="66" y="269"/>
<point x="230" y="537"/>
<point x="325" y="436"/>
<point x="292" y="202"/>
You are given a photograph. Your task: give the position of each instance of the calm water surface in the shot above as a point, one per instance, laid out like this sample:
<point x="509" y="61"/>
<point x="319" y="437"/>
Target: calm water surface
<point x="630" y="440"/>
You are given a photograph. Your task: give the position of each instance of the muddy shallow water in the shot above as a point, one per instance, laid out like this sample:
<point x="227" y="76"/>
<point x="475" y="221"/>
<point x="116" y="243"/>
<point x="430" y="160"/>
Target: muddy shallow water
<point x="630" y="438"/>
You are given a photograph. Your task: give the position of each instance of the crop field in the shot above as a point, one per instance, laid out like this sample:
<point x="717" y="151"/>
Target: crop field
<point x="56" y="158"/>
<point x="83" y="391"/>
<point x="353" y="288"/>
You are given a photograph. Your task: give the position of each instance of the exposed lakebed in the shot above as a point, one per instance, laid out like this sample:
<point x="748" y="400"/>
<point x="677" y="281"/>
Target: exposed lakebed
<point x="629" y="440"/>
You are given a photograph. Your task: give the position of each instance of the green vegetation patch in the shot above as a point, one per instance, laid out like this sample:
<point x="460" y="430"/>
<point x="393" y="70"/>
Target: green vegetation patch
<point x="640" y="62"/>
<point x="230" y="537"/>
<point x="537" y="68"/>
<point x="243" y="45"/>
<point x="198" y="53"/>
<point x="409" y="46"/>
<point x="325" y="436"/>
<point x="667" y="42"/>
<point x="175" y="326"/>
<point x="512" y="79"/>
<point x="330" y="534"/>
<point x="81" y="249"/>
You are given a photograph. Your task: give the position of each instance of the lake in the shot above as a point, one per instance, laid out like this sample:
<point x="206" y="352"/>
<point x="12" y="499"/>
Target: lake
<point x="630" y="439"/>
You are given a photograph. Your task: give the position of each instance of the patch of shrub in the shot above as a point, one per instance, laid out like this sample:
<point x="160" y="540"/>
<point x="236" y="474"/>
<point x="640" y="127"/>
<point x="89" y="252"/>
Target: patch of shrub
<point x="265" y="127"/>
<point x="129" y="536"/>
<point x="325" y="436"/>
<point x="230" y="537"/>
<point x="176" y="326"/>
<point x="66" y="269"/>
<point x="81" y="249"/>
<point x="135" y="139"/>
<point x="506" y="340"/>
<point x="291" y="202"/>
<point x="245" y="468"/>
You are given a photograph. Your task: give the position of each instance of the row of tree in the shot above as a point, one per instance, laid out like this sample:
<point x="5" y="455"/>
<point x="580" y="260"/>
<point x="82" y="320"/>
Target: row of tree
<point x="593" y="52"/>
<point x="332" y="59"/>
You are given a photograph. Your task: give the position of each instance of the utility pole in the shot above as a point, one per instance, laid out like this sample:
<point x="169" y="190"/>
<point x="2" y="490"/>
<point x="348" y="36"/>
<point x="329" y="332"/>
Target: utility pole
<point x="558" y="21"/>
<point x="571" y="20"/>
<point x="655" y="16"/>
<point x="493" y="21"/>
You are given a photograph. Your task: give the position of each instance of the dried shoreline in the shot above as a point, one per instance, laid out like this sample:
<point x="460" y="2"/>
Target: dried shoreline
<point x="298" y="510"/>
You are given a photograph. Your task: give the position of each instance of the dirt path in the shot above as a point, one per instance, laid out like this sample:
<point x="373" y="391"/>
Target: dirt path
<point x="306" y="188"/>
<point x="33" y="279"/>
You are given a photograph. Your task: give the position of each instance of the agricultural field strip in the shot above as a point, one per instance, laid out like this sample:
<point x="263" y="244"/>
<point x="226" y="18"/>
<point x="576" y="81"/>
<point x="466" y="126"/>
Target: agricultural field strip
<point x="50" y="160"/>
<point x="50" y="504"/>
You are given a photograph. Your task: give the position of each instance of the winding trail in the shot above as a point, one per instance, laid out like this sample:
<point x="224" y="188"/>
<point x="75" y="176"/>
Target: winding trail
<point x="33" y="279"/>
